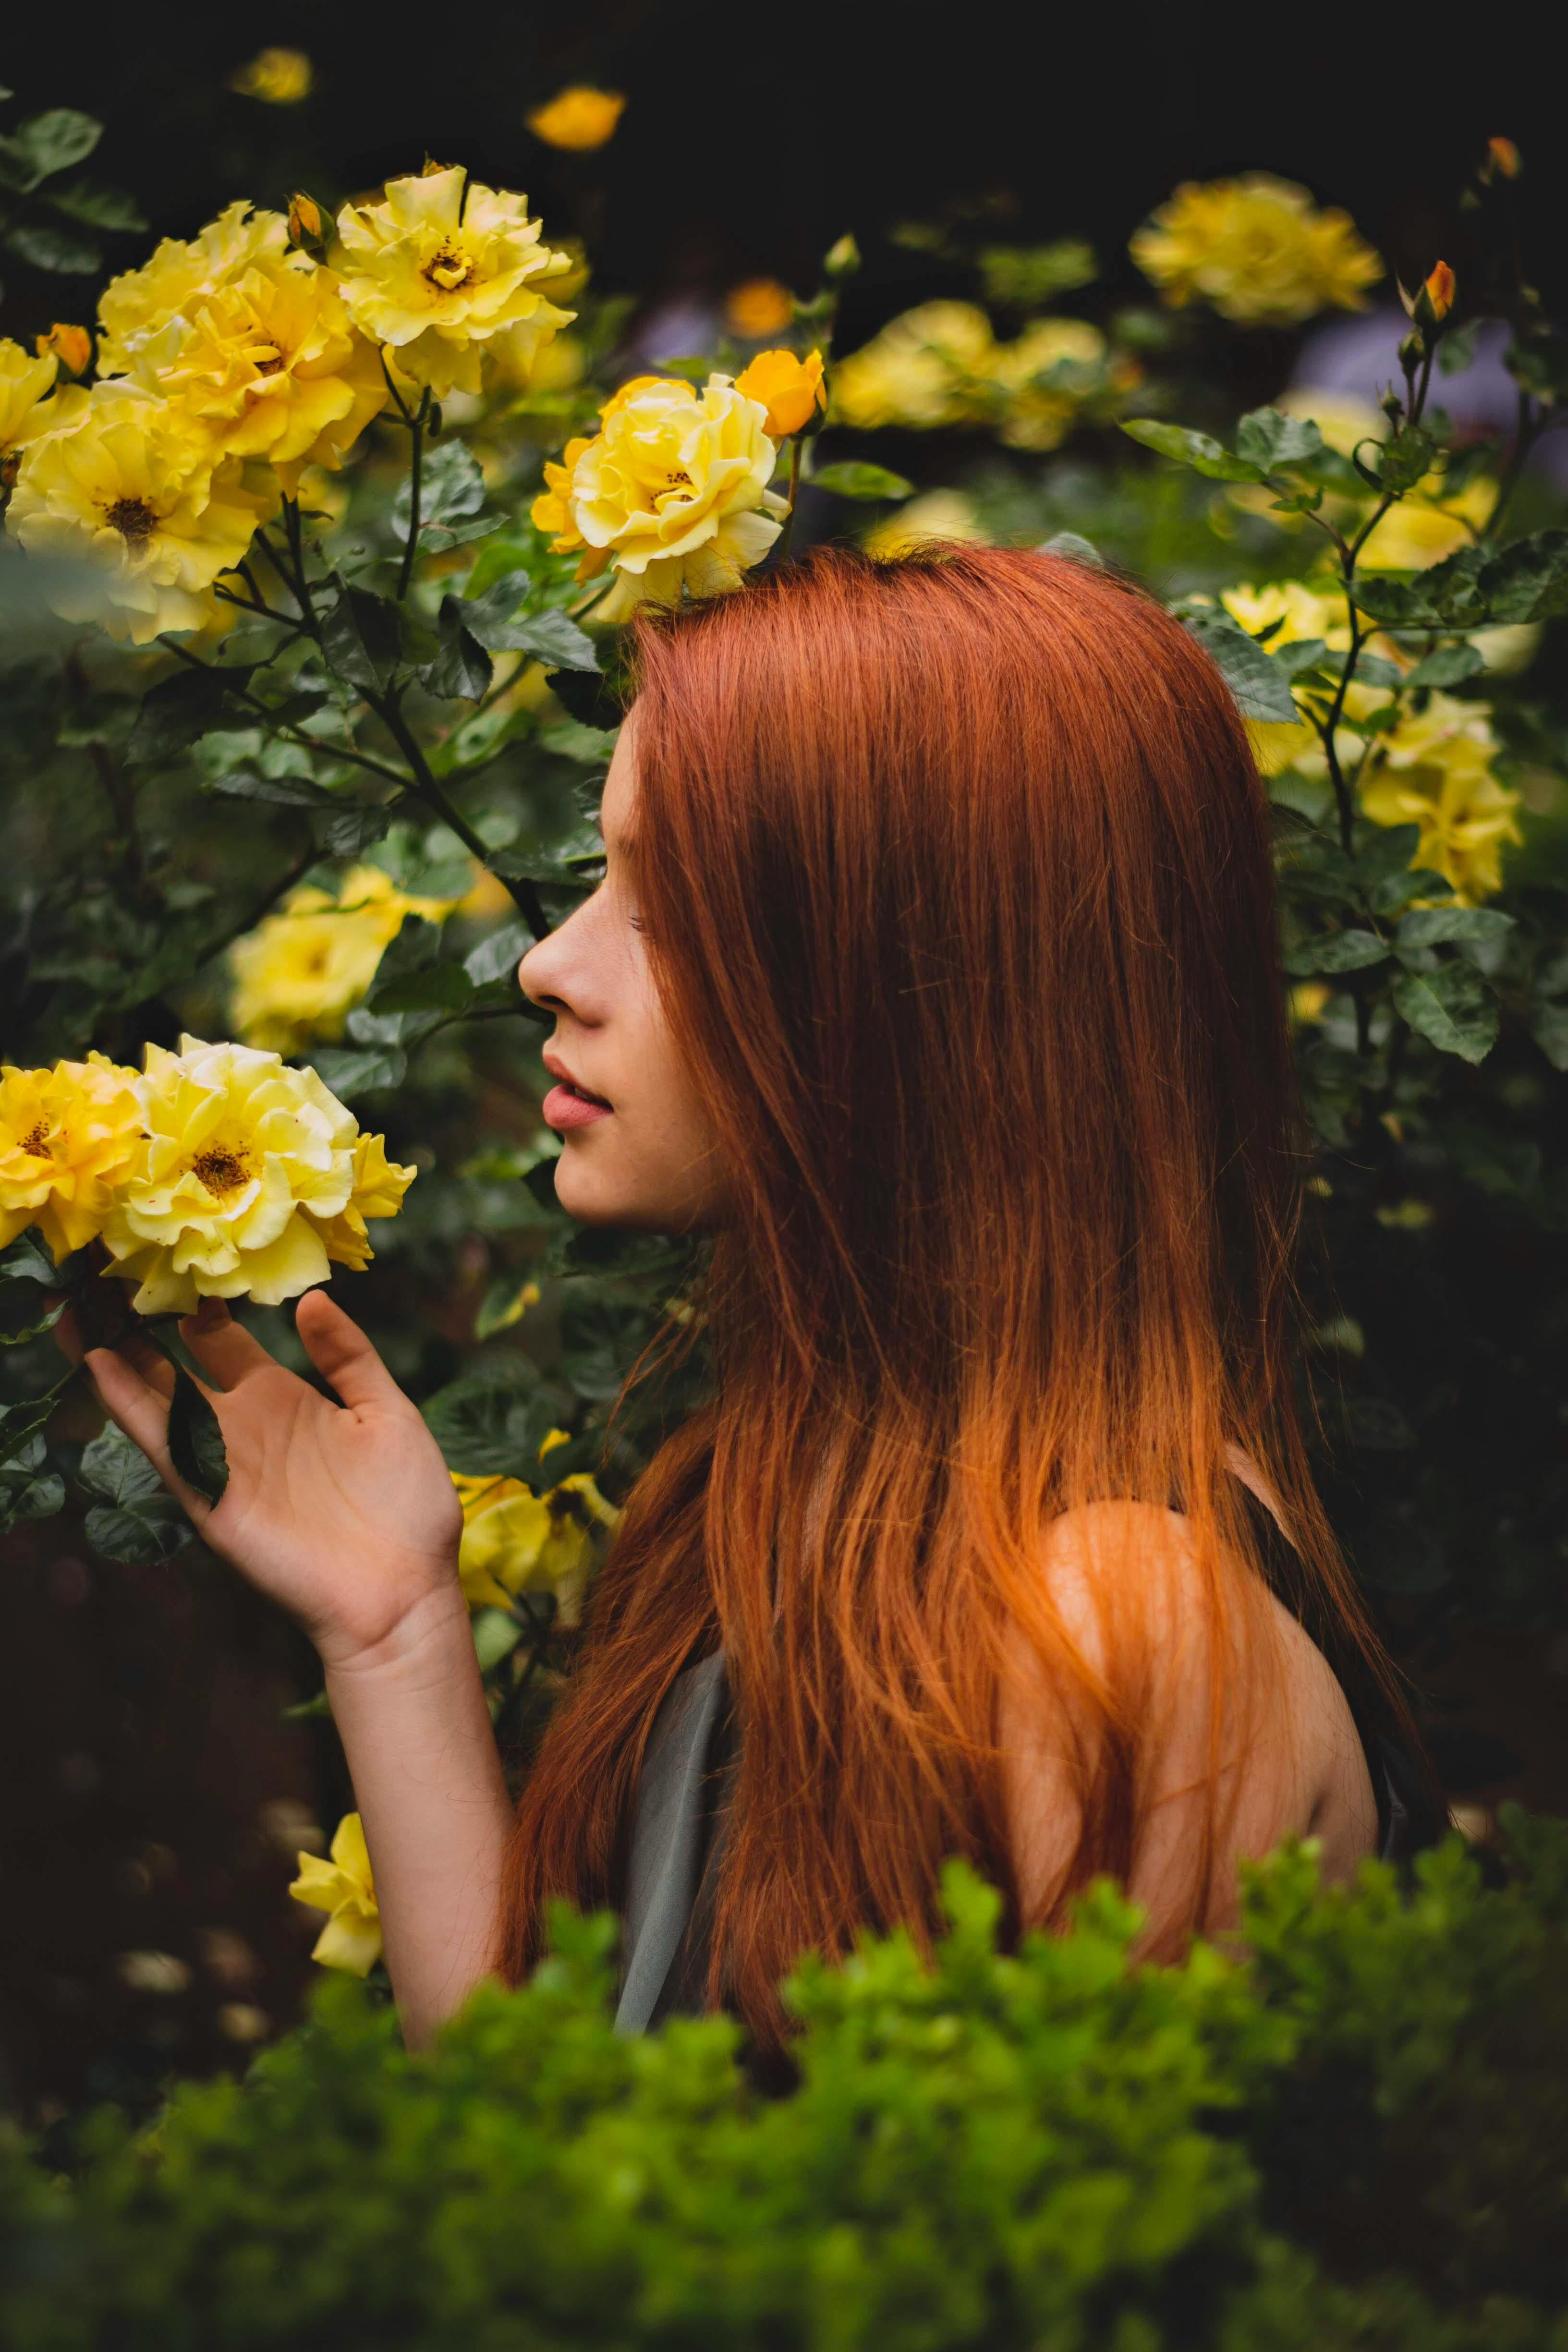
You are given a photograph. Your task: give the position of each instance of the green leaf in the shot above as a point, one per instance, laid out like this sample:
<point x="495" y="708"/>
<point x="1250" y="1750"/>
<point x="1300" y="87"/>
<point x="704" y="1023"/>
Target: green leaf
<point x="497" y="957"/>
<point x="1549" y="1027"/>
<point x="490" y="1424"/>
<point x="347" y="1074"/>
<point x="1405" y="459"/>
<point x="1447" y="666"/>
<point x="1268" y="439"/>
<point x="359" y="637"/>
<point x="1529" y="581"/>
<point x="462" y="669"/>
<point x="108" y="208"/>
<point x="28" y="1488"/>
<point x="24" y="1261"/>
<point x="1477" y="930"/>
<point x="135" y="1519"/>
<point x="439" y="988"/>
<point x="854" y="478"/>
<point x="1456" y="352"/>
<point x="195" y="1440"/>
<point x="62" y="250"/>
<point x="1205" y="455"/>
<point x="281" y="792"/>
<point x="1261" y="687"/>
<point x="1349" y="951"/>
<point x="46" y="144"/>
<point x="180" y="709"/>
<point x="557" y="640"/>
<point x="492" y="617"/>
<point x="496" y="1635"/>
<point x="1026" y="277"/>
<point x="502" y="1305"/>
<point x="1453" y="1007"/>
<point x="351" y="827"/>
<point x="1442" y="595"/>
<point x="20" y="1424"/>
<point x="1076" y="549"/>
<point x="595" y="746"/>
<point x="451" y="486"/>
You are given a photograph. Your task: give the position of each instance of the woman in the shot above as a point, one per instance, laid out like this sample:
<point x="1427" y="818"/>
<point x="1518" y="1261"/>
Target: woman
<point x="933" y="975"/>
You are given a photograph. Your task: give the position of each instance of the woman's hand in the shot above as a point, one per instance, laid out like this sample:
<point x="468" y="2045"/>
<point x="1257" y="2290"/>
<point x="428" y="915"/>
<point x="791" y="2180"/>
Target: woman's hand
<point x="345" y="1514"/>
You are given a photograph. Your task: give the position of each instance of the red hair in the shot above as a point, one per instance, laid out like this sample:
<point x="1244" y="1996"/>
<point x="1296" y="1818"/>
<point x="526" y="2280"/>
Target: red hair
<point x="956" y="878"/>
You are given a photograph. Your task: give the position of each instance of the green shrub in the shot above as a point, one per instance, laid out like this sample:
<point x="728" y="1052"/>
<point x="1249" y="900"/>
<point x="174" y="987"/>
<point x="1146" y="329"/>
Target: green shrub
<point x="1356" y="2137"/>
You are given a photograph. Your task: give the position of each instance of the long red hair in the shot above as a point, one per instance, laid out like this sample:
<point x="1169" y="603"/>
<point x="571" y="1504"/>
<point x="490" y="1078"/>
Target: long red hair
<point x="956" y="878"/>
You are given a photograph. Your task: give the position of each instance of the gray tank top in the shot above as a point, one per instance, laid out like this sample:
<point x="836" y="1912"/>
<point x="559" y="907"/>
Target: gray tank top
<point x="677" y="1837"/>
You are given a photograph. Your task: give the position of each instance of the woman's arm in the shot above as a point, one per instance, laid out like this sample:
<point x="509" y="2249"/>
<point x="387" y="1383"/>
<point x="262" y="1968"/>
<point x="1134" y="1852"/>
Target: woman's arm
<point x="343" y="1513"/>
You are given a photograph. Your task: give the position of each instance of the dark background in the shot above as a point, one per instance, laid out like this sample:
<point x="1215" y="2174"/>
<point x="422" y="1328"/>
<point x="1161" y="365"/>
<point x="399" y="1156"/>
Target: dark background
<point x="151" y="1795"/>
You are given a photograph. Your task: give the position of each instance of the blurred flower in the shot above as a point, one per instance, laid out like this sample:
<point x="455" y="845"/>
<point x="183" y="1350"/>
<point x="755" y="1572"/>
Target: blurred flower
<point x="67" y="1136"/>
<point x="1434" y="770"/>
<point x="127" y="494"/>
<point x="269" y="366"/>
<point x="1306" y="1001"/>
<point x="72" y="346"/>
<point x="24" y="386"/>
<point x="937" y="514"/>
<point x="914" y="371"/>
<point x="378" y="1186"/>
<point x="758" y="306"/>
<point x="842" y="257"/>
<point x="674" y="493"/>
<point x="1502" y="156"/>
<point x="1427" y="526"/>
<point x="789" y="388"/>
<point x="138" y="302"/>
<point x="517" y="1541"/>
<point x="277" y="77"/>
<point x="302" y="970"/>
<point x="1256" y="250"/>
<point x="344" y="1888"/>
<point x="242" y="1164"/>
<point x="578" y="118"/>
<point x="533" y="366"/>
<point x="158" y="1972"/>
<point x="1045" y="377"/>
<point x="441" y="267"/>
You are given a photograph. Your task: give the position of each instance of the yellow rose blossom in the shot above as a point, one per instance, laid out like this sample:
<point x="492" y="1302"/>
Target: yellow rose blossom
<point x="758" y="306"/>
<point x="1434" y="770"/>
<point x="578" y="119"/>
<point x="516" y="1541"/>
<point x="790" y="389"/>
<point x="138" y="302"/>
<point x="126" y="494"/>
<point x="344" y="1888"/>
<point x="552" y="509"/>
<point x="674" y="493"/>
<point x="440" y="267"/>
<point x="271" y="366"/>
<point x="68" y="1135"/>
<point x="25" y="405"/>
<point x="533" y="367"/>
<point x="1258" y="250"/>
<point x="243" y="1163"/>
<point x="303" y="970"/>
<point x="277" y="76"/>
<point x="937" y="515"/>
<point x="915" y="371"/>
<point x="72" y="346"/>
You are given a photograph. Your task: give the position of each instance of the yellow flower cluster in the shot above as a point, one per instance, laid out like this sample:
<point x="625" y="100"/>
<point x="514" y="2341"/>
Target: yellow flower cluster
<point x="1256" y="250"/>
<point x="215" y="1171"/>
<point x="941" y="364"/>
<point x="517" y="1541"/>
<point x="231" y="362"/>
<point x="1434" y="768"/>
<point x="343" y="1888"/>
<point x="673" y="494"/>
<point x="302" y="970"/>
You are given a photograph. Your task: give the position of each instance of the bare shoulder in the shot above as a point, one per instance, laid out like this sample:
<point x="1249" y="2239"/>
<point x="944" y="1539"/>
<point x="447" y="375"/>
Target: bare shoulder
<point x="1196" y="1669"/>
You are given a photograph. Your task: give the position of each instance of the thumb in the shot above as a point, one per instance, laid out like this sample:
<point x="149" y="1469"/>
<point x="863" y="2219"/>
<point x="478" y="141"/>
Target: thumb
<point x="342" y="1354"/>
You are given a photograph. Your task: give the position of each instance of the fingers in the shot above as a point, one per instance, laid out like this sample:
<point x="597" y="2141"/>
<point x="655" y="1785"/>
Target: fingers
<point x="132" y="1401"/>
<point x="224" y="1349"/>
<point x="342" y="1354"/>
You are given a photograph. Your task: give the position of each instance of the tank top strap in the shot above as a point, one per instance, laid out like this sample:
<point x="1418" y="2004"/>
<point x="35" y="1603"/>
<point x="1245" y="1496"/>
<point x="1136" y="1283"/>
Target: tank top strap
<point x="669" y="1836"/>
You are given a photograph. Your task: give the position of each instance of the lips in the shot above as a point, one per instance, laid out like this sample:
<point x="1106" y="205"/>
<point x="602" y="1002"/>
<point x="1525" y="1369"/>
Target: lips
<point x="558" y="1069"/>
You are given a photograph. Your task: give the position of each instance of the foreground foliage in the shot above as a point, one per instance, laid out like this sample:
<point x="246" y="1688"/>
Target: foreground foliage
<point x="1356" y="2138"/>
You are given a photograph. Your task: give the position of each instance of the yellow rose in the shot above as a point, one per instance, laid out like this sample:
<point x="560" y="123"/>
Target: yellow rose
<point x="578" y="118"/>
<point x="126" y="494"/>
<point x="269" y="366"/>
<point x="1256" y="250"/>
<point x="918" y="371"/>
<point x="72" y="346"/>
<point x="937" y="515"/>
<point x="66" y="1138"/>
<point x="277" y="76"/>
<point x="517" y="1541"/>
<point x="344" y="1888"/>
<point x="378" y="1186"/>
<point x="758" y="306"/>
<point x="299" y="972"/>
<point x="551" y="510"/>
<point x="790" y="389"/>
<point x="442" y="267"/>
<point x="138" y="302"/>
<point x="25" y="405"/>
<point x="1434" y="770"/>
<point x="243" y="1165"/>
<point x="674" y="493"/>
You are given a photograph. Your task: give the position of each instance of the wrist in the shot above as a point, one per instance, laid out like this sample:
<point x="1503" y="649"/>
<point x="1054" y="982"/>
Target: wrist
<point x="431" y="1628"/>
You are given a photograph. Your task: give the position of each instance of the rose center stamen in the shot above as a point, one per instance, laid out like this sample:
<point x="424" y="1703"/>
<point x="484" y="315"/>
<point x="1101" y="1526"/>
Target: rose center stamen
<point x="449" y="271"/>
<point x="37" y="1143"/>
<point x="133" y="519"/>
<point x="221" y="1170"/>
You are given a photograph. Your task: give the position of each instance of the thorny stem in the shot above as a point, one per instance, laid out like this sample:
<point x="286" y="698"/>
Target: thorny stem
<point x="415" y="485"/>
<point x="297" y="555"/>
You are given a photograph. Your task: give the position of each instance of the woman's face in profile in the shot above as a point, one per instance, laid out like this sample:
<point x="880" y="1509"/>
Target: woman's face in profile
<point x="636" y="1147"/>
